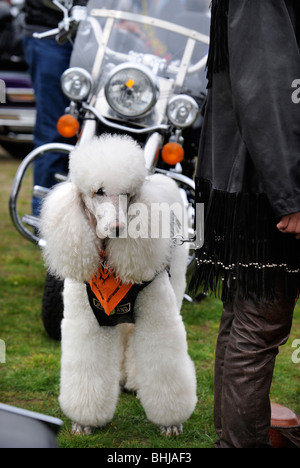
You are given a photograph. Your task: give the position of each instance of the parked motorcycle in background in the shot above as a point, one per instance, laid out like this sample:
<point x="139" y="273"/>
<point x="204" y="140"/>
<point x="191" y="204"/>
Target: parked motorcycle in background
<point x="136" y="69"/>
<point x="17" y="115"/>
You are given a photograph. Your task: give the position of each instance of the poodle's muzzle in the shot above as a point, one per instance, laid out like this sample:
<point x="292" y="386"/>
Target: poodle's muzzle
<point x="107" y="214"/>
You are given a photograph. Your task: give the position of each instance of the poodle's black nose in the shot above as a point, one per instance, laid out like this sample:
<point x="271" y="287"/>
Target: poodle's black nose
<point x="116" y="229"/>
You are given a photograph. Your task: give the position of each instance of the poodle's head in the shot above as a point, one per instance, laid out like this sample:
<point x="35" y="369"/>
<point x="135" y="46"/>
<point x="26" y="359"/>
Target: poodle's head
<point x="109" y="172"/>
<point x="112" y="163"/>
<point x="106" y="173"/>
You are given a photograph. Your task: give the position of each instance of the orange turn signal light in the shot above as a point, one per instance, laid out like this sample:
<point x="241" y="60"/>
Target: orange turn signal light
<point x="172" y="153"/>
<point x="67" y="126"/>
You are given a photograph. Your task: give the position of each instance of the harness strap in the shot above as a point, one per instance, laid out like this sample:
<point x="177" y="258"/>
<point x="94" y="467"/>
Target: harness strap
<point x="111" y="301"/>
<point x="108" y="289"/>
<point x="122" y="313"/>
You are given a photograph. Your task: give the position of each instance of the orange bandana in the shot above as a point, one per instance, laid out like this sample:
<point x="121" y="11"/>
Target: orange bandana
<point x="108" y="289"/>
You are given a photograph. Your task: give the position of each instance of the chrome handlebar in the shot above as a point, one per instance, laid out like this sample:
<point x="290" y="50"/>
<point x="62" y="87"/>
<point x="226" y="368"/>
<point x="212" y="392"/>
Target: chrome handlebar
<point x="67" y="27"/>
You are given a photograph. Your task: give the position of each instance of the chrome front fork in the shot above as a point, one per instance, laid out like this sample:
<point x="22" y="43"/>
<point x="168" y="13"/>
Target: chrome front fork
<point x="28" y="220"/>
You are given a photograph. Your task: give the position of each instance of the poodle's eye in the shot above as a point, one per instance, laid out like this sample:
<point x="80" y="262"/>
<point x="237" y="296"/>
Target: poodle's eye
<point x="130" y="197"/>
<point x="100" y="192"/>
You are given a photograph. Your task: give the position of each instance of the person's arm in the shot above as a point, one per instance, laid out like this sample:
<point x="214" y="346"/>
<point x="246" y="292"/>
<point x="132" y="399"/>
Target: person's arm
<point x="264" y="62"/>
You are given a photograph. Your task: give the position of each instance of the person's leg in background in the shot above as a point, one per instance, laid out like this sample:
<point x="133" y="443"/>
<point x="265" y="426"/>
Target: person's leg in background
<point x="250" y="334"/>
<point x="47" y="61"/>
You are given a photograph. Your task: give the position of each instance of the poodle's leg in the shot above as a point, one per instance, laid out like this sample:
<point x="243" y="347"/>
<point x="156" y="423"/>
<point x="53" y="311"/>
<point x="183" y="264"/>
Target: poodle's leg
<point x="178" y="268"/>
<point x="90" y="364"/>
<point x="128" y="368"/>
<point x="80" y="429"/>
<point x="165" y="373"/>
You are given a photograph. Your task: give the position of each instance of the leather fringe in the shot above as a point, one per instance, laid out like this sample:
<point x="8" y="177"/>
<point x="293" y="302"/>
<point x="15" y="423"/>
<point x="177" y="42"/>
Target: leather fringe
<point x="243" y="249"/>
<point x="218" y="59"/>
<point x="297" y="16"/>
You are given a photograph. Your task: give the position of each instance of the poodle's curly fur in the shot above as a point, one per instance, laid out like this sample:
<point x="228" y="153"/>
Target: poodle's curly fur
<point x="97" y="360"/>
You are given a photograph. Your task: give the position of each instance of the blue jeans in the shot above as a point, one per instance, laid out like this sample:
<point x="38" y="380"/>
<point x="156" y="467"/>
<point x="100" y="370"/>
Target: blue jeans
<point x="47" y="61"/>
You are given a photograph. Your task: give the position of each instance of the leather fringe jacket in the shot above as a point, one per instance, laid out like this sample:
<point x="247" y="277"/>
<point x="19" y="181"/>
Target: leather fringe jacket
<point x="248" y="173"/>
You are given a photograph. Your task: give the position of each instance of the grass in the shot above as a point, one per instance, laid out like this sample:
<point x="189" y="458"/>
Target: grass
<point x="30" y="377"/>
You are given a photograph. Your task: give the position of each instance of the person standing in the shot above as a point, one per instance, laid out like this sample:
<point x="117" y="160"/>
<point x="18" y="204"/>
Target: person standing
<point x="248" y="178"/>
<point x="47" y="60"/>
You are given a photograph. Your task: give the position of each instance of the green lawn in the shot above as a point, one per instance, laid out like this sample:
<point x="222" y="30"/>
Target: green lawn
<point x="30" y="377"/>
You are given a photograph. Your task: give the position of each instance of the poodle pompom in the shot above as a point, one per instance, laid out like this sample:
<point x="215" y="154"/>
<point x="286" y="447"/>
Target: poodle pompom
<point x="114" y="163"/>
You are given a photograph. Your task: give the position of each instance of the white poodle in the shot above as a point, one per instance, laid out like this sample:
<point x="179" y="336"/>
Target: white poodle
<point x="106" y="234"/>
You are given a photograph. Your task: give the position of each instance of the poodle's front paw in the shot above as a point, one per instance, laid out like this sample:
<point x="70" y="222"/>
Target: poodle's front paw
<point x="171" y="430"/>
<point x="79" y="429"/>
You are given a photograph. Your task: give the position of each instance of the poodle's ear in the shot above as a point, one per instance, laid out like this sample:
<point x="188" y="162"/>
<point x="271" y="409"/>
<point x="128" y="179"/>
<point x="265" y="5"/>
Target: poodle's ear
<point x="72" y="248"/>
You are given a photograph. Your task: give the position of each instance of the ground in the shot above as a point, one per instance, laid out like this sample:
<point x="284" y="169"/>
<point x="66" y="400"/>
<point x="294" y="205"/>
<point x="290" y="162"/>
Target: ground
<point x="30" y="375"/>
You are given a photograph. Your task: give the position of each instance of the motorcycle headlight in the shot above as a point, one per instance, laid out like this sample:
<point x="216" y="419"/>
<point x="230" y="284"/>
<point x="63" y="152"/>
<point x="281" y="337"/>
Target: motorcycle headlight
<point x="182" y="111"/>
<point x="131" y="90"/>
<point x="76" y="84"/>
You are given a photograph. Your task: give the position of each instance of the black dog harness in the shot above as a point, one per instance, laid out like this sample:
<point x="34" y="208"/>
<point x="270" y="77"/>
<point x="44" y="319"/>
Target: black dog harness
<point x="123" y="312"/>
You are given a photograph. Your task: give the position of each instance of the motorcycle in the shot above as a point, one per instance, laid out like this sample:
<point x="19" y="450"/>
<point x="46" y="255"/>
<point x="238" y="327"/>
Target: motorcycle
<point x="134" y="70"/>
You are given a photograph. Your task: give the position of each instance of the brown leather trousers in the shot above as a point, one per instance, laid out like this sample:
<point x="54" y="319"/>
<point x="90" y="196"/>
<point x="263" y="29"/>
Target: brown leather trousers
<point x="249" y="337"/>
